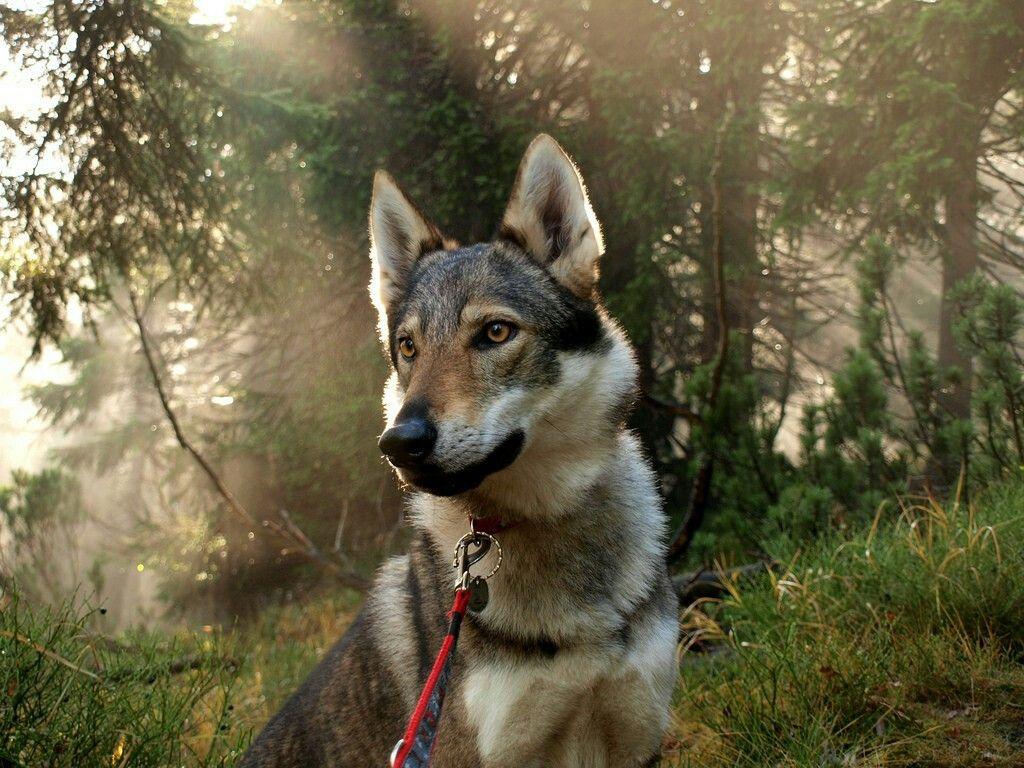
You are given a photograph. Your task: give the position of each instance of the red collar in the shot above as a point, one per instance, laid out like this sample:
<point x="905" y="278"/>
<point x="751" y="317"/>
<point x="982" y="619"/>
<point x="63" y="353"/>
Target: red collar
<point x="490" y="525"/>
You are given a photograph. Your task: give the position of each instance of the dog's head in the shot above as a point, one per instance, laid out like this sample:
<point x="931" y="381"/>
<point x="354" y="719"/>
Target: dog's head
<point x="500" y="350"/>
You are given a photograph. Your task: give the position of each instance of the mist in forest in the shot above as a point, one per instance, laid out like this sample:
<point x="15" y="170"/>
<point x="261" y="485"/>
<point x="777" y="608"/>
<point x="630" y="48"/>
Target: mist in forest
<point x="190" y="390"/>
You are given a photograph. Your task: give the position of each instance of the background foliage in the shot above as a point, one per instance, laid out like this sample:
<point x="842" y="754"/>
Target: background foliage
<point x="183" y="230"/>
<point x="196" y="194"/>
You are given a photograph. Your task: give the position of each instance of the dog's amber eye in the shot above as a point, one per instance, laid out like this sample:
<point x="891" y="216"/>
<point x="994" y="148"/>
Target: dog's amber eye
<point x="499" y="332"/>
<point x="407" y="348"/>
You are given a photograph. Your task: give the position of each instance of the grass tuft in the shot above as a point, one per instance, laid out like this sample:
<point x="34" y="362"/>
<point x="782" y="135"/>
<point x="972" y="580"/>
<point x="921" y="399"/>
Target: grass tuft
<point x="70" y="697"/>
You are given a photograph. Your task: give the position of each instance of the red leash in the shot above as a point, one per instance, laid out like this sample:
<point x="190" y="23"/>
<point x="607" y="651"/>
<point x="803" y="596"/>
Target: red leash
<point x="418" y="740"/>
<point x="414" y="748"/>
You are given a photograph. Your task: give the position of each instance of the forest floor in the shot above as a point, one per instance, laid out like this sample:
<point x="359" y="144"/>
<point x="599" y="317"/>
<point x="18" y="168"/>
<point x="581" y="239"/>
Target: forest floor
<point x="894" y="646"/>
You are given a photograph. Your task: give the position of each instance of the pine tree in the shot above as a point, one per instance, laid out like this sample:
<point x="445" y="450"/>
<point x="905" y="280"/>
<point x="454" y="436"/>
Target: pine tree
<point x="914" y="104"/>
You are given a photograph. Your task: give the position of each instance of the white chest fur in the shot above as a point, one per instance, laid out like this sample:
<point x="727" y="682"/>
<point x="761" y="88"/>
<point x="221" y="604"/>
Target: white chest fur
<point x="587" y="707"/>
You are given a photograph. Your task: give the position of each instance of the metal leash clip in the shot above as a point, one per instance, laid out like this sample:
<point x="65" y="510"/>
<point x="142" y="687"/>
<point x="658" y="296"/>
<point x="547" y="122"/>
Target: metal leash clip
<point x="470" y="550"/>
<point x="464" y="558"/>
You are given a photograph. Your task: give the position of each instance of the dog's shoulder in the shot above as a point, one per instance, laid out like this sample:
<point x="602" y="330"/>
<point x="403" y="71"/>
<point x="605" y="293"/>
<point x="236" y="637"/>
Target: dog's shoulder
<point x="355" y="702"/>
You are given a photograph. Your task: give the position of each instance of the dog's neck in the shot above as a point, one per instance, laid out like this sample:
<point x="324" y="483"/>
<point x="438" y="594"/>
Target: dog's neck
<point x="543" y="490"/>
<point x="595" y="536"/>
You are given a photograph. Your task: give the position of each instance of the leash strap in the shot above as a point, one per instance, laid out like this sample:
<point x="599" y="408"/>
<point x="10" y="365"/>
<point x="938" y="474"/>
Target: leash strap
<point x="413" y="751"/>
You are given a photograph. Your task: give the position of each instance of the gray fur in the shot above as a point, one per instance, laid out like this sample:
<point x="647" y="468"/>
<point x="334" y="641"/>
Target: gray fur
<point x="572" y="661"/>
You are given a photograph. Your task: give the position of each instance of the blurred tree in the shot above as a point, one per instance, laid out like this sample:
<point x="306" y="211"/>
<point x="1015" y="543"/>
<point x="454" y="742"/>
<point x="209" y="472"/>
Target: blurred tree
<point x="40" y="513"/>
<point x="141" y="185"/>
<point x="117" y="174"/>
<point x="913" y="132"/>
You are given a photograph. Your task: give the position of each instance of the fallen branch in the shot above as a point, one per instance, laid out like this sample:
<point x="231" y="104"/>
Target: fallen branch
<point x="289" y="533"/>
<point x="713" y="582"/>
<point x="42" y="649"/>
<point x="171" y="667"/>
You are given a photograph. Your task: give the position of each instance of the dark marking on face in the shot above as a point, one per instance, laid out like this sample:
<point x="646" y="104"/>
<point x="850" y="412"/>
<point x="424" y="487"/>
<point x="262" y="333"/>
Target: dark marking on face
<point x="440" y="483"/>
<point x="583" y="328"/>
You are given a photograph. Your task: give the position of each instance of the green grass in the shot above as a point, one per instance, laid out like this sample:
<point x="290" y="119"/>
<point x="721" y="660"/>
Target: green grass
<point x="70" y="696"/>
<point x="903" y="646"/>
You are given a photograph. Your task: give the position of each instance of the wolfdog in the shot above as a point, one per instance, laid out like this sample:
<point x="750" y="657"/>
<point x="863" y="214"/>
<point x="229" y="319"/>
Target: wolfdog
<point x="505" y="405"/>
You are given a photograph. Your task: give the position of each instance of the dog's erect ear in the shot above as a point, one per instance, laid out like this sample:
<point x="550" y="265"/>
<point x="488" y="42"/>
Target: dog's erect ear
<point x="550" y="216"/>
<point x="399" y="234"/>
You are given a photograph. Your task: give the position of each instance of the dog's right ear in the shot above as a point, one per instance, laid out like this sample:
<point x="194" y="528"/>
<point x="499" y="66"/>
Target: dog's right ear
<point x="399" y="234"/>
<point x="550" y="217"/>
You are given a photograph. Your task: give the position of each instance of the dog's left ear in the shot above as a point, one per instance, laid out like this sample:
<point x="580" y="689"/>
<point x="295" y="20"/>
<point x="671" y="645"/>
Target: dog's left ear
<point x="399" y="234"/>
<point x="550" y="216"/>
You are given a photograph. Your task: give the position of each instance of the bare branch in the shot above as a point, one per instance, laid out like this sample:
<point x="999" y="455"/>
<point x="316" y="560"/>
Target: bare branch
<point x="43" y="650"/>
<point x="289" y="533"/>
<point x="712" y="582"/>
<point x="676" y="409"/>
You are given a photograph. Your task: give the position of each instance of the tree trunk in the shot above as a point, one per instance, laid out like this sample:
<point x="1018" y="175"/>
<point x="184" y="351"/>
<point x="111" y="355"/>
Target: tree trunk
<point x="740" y="177"/>
<point x="959" y="261"/>
<point x="739" y="221"/>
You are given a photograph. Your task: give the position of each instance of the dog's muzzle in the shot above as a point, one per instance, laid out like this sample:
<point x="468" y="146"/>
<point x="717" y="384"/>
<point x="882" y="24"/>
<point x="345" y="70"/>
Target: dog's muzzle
<point x="429" y="477"/>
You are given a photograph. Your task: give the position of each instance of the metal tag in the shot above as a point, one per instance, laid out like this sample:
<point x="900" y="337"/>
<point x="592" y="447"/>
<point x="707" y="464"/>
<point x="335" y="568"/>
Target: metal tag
<point x="479" y="594"/>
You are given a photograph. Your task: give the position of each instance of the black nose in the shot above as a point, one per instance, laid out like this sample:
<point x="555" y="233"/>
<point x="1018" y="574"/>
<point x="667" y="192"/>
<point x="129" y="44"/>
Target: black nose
<point x="409" y="441"/>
